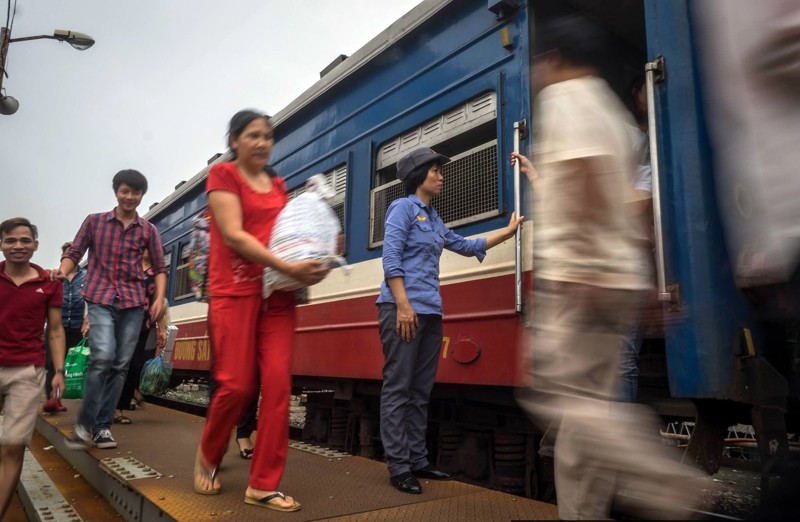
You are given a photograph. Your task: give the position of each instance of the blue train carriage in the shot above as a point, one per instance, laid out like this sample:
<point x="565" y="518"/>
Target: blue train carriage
<point x="454" y="75"/>
<point x="451" y="75"/>
<point x="735" y="366"/>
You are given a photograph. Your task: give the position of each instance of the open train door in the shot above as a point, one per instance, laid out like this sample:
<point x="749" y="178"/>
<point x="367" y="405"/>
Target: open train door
<point x="714" y="347"/>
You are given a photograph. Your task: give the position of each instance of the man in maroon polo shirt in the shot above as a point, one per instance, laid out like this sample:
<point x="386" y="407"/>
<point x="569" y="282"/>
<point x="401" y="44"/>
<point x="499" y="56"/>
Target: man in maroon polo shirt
<point x="28" y="298"/>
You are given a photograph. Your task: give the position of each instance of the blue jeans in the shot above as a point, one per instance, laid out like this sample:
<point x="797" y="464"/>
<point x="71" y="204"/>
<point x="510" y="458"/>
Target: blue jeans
<point x="629" y="369"/>
<point x="113" y="333"/>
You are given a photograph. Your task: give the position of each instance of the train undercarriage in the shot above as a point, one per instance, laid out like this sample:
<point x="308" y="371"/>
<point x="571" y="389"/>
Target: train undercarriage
<point x="478" y="434"/>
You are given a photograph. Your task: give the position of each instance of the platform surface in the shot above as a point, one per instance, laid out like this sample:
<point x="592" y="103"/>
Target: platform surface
<point x="329" y="487"/>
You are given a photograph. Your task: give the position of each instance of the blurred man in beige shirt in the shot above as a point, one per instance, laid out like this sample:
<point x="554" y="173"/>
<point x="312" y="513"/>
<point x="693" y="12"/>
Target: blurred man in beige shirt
<point x="587" y="282"/>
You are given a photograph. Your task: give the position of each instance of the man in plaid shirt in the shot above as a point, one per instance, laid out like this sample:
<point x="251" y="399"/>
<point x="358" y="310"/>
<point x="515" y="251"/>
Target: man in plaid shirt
<point x="115" y="293"/>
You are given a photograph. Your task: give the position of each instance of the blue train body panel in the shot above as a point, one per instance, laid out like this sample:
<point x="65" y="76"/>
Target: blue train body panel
<point x="703" y="344"/>
<point x="453" y="56"/>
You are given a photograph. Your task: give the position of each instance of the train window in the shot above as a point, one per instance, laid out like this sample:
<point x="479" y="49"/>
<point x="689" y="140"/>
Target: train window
<point x="468" y="135"/>
<point x="336" y="178"/>
<point x="182" y="289"/>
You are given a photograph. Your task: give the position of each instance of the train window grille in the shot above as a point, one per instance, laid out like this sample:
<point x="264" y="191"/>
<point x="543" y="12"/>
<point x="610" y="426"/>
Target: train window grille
<point x="182" y="288"/>
<point x="470" y="192"/>
<point x="467" y="134"/>
<point x="336" y="178"/>
<point x="452" y="132"/>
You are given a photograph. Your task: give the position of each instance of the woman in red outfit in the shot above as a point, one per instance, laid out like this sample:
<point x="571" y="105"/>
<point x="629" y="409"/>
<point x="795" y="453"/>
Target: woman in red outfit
<point x="251" y="338"/>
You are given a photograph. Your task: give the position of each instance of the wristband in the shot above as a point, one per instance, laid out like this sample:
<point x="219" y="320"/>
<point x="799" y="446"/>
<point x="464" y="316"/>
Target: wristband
<point x="60" y="370"/>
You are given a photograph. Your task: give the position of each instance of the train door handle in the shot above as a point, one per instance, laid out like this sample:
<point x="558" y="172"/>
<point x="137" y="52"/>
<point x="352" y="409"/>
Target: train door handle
<point x="655" y="72"/>
<point x="520" y="128"/>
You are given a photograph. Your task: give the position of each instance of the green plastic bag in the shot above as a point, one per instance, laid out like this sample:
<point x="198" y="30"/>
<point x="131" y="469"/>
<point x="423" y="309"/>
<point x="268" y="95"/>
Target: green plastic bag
<point x="155" y="376"/>
<point x="75" y="364"/>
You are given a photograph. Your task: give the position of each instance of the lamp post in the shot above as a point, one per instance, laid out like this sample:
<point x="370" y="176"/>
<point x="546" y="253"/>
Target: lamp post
<point x="79" y="41"/>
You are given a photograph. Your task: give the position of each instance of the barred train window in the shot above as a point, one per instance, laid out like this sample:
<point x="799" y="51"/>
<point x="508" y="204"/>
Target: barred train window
<point x="337" y="179"/>
<point x="182" y="289"/>
<point x="467" y="134"/>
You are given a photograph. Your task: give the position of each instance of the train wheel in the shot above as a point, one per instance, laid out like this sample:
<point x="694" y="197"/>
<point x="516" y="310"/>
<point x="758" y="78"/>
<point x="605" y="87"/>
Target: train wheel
<point x="449" y="441"/>
<point x="510" y="463"/>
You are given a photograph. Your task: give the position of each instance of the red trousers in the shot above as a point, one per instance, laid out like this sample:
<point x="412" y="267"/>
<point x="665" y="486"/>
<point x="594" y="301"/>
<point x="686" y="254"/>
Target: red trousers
<point x="251" y="344"/>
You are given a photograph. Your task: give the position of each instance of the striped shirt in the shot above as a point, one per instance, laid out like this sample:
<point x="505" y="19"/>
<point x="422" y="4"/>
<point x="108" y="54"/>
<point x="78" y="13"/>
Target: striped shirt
<point x="115" y="258"/>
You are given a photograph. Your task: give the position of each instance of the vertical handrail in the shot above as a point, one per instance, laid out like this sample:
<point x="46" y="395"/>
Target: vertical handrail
<point x="518" y="235"/>
<point x="654" y="71"/>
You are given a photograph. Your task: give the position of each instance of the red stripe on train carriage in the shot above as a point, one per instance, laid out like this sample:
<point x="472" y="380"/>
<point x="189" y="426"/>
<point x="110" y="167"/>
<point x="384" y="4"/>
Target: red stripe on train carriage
<point x="339" y="339"/>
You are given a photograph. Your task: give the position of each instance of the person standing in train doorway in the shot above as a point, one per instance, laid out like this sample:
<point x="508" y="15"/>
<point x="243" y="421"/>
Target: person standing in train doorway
<point x="116" y="297"/>
<point x="251" y="339"/>
<point x="586" y="285"/>
<point x="28" y="299"/>
<point x="641" y="210"/>
<point x="410" y="313"/>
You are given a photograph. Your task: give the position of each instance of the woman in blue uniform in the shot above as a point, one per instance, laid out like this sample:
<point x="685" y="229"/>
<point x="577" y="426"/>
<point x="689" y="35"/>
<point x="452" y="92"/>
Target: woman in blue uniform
<point x="410" y="313"/>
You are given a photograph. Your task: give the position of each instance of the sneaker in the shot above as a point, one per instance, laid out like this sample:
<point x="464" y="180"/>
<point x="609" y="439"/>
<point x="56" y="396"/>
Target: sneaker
<point x="81" y="439"/>
<point x="103" y="440"/>
<point x="53" y="406"/>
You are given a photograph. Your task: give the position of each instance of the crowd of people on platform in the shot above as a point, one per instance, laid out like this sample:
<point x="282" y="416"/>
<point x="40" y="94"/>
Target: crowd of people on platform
<point x="113" y="300"/>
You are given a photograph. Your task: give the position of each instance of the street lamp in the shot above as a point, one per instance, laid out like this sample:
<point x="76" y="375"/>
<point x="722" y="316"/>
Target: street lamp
<point x="79" y="41"/>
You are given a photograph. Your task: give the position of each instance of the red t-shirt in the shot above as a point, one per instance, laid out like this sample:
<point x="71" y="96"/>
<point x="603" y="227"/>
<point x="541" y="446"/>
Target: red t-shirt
<point x="23" y="313"/>
<point x="229" y="274"/>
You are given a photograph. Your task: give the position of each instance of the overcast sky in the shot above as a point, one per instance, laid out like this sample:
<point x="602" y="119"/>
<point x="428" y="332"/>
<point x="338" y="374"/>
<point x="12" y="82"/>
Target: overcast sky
<point x="155" y="93"/>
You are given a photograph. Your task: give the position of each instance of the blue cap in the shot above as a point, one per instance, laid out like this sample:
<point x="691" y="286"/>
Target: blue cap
<point x="418" y="157"/>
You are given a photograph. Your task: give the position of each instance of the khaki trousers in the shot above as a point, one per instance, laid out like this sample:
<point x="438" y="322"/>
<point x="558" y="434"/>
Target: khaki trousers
<point x="601" y="446"/>
<point x="20" y="396"/>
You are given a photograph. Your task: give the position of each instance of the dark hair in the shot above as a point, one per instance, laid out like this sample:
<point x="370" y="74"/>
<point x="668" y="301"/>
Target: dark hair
<point x="635" y="85"/>
<point x="417" y="177"/>
<point x="239" y="123"/>
<point x="133" y="178"/>
<point x="630" y="97"/>
<point x="577" y="39"/>
<point x="10" y="224"/>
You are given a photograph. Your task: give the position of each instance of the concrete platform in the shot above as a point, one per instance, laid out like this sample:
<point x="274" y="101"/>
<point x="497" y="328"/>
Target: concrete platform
<point x="149" y="477"/>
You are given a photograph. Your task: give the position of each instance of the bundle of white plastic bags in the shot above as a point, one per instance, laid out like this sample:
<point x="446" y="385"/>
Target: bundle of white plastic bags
<point x="306" y="228"/>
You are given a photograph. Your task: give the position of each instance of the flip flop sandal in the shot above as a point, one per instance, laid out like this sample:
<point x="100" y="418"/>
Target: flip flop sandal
<point x="122" y="419"/>
<point x="265" y="502"/>
<point x="210" y="474"/>
<point x="245" y="453"/>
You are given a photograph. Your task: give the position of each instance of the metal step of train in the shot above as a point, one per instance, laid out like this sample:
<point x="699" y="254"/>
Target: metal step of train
<point x="51" y="490"/>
